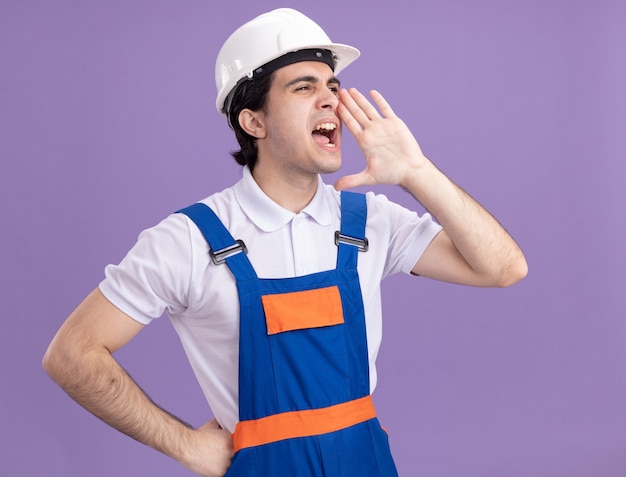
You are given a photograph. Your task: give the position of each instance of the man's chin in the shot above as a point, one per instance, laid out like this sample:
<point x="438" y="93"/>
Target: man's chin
<point x="330" y="168"/>
<point x="330" y="164"/>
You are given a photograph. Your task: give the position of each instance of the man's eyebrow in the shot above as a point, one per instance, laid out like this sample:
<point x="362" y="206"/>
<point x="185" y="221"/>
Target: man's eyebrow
<point x="312" y="79"/>
<point x="334" y="80"/>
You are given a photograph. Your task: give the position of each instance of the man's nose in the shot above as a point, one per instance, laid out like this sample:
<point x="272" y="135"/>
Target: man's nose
<point x="329" y="99"/>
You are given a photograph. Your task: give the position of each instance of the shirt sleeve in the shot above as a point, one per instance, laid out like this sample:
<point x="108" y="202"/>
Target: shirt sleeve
<point x="408" y="234"/>
<point x="154" y="276"/>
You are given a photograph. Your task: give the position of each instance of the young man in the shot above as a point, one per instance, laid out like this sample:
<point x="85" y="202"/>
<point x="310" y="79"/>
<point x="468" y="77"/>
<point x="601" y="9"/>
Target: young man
<point x="289" y="372"/>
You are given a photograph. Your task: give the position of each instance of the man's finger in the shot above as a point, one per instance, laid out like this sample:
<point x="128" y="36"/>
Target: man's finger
<point x="353" y="180"/>
<point x="382" y="104"/>
<point x="364" y="105"/>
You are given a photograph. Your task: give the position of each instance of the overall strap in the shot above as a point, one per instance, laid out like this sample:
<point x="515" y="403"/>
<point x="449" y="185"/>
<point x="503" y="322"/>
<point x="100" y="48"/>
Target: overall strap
<point x="223" y="248"/>
<point x="351" y="238"/>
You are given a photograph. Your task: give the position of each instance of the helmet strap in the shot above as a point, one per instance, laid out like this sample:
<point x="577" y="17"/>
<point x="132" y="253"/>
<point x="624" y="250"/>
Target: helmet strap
<point x="311" y="54"/>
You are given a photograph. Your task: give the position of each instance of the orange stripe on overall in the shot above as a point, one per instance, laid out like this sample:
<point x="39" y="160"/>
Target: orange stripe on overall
<point x="310" y="422"/>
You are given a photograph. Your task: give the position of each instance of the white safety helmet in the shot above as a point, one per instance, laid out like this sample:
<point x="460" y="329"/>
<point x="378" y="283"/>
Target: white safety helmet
<point x="267" y="37"/>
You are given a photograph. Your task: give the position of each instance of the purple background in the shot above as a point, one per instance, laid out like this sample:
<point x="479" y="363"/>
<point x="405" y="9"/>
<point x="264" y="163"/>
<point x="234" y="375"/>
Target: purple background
<point x="107" y="125"/>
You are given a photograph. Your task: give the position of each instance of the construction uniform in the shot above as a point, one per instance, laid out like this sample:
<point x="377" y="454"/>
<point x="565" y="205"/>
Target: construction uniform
<point x="304" y="392"/>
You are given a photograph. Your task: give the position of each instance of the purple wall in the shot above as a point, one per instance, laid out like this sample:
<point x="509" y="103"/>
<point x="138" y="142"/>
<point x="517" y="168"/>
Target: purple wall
<point x="107" y="124"/>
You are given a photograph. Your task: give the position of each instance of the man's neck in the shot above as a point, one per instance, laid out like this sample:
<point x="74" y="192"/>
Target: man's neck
<point x="291" y="191"/>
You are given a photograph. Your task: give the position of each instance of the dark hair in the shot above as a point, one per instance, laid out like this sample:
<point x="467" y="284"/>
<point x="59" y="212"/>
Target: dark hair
<point x="252" y="95"/>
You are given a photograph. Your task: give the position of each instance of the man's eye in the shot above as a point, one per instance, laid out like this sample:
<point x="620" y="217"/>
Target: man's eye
<point x="303" y="88"/>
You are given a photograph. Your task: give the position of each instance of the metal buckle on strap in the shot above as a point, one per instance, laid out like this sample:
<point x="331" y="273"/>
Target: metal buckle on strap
<point x="361" y="244"/>
<point x="219" y="256"/>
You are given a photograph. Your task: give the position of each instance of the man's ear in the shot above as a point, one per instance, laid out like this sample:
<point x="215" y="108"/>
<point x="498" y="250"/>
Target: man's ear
<point x="253" y="123"/>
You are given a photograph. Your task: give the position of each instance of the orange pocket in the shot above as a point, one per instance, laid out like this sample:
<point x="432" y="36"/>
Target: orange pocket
<point x="303" y="309"/>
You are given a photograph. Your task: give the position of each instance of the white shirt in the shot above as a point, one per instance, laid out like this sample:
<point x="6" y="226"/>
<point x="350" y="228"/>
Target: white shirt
<point x="169" y="270"/>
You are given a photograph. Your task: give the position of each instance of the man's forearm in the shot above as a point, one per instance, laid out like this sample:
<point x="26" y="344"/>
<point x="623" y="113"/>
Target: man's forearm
<point x="98" y="383"/>
<point x="80" y="360"/>
<point x="480" y="239"/>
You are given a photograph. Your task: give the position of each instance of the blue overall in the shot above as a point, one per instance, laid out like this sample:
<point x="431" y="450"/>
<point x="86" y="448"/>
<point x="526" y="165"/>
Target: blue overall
<point x="295" y="378"/>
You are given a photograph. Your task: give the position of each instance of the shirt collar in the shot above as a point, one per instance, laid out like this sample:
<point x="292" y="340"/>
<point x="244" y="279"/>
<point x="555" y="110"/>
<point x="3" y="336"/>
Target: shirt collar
<point x="267" y="214"/>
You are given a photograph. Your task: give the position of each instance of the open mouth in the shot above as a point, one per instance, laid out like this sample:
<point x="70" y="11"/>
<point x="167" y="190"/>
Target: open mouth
<point x="325" y="134"/>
